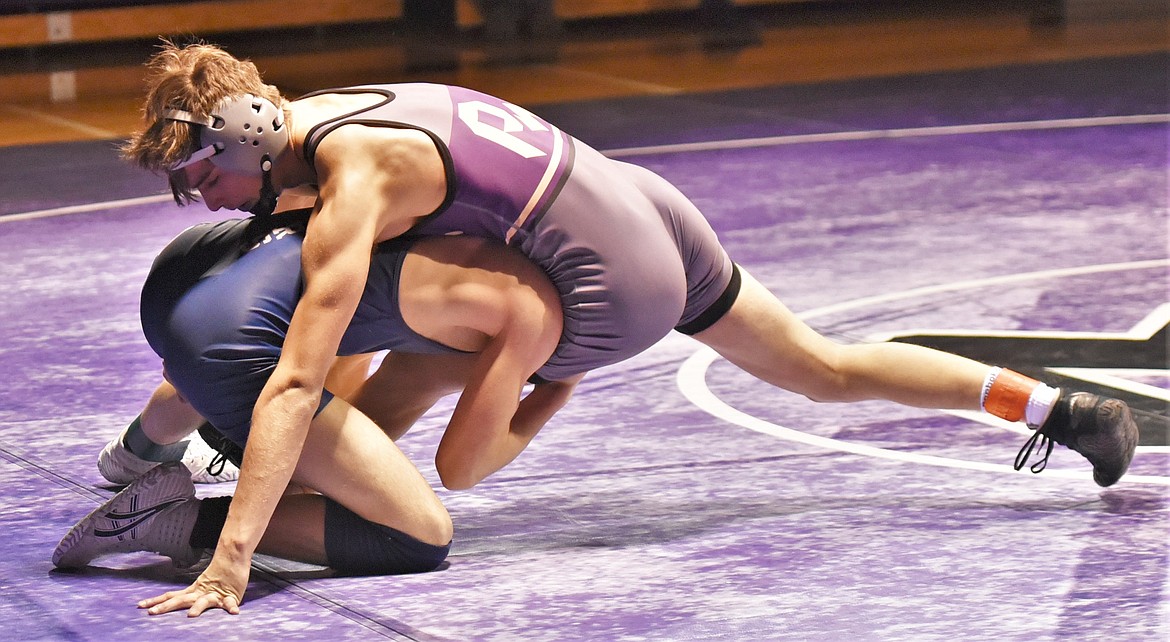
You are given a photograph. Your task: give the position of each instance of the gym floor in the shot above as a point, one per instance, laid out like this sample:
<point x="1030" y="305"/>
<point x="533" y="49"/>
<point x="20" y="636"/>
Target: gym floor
<point x="945" y="173"/>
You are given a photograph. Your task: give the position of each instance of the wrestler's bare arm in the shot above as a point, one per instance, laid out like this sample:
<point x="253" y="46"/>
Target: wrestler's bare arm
<point x="484" y="435"/>
<point x="539" y="405"/>
<point x="390" y="177"/>
<point x="478" y="296"/>
<point x="335" y="258"/>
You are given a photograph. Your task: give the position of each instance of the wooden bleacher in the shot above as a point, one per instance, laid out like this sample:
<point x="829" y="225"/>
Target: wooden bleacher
<point x="32" y="23"/>
<point x="84" y="24"/>
<point x="150" y="20"/>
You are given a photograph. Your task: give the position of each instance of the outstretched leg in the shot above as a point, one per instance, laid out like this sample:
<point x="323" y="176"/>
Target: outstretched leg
<point x="761" y="336"/>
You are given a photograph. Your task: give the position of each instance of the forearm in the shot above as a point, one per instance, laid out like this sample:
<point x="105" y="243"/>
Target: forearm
<point x="279" y="427"/>
<point x="335" y="260"/>
<point x="539" y="406"/>
<point x="478" y="442"/>
<point x="502" y="429"/>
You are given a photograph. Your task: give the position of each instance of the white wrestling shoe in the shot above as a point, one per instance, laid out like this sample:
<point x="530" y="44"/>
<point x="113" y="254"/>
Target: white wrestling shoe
<point x="207" y="466"/>
<point x="155" y="513"/>
<point x="120" y="466"/>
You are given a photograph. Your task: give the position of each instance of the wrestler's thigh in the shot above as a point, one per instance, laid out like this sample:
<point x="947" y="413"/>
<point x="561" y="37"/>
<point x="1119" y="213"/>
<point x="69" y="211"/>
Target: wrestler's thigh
<point x="763" y="337"/>
<point x="348" y="458"/>
<point x="406" y="385"/>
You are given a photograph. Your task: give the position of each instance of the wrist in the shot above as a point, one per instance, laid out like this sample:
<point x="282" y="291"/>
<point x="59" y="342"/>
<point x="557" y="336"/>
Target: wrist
<point x="234" y="550"/>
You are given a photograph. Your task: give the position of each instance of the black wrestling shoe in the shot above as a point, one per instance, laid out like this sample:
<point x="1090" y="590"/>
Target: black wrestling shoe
<point x="1100" y="428"/>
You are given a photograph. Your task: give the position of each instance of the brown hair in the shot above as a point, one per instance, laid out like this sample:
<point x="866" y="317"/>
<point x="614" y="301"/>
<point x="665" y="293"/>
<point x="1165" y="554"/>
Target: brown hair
<point x="191" y="78"/>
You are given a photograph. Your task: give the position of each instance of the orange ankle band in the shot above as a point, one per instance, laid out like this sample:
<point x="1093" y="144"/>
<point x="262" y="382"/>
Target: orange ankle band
<point x="1007" y="398"/>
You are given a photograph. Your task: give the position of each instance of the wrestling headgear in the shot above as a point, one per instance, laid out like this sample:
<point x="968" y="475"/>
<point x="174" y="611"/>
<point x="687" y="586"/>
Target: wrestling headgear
<point x="243" y="134"/>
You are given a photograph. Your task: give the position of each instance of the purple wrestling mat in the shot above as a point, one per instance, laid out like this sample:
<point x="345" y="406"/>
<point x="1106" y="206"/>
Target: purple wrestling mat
<point x="676" y="498"/>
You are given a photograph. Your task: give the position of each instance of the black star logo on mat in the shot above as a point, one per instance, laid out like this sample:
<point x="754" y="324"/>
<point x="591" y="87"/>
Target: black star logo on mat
<point x="1056" y="358"/>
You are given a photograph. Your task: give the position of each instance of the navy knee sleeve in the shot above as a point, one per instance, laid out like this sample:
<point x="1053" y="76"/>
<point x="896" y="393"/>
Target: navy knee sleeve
<point x="357" y="546"/>
<point x="209" y="524"/>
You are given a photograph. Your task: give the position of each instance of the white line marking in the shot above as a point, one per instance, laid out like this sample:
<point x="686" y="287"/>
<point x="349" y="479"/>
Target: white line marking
<point x="692" y="382"/>
<point x="89" y="207"/>
<point x="684" y="147"/>
<point x="1144" y="330"/>
<point x="872" y="134"/>
<point x="1153" y="322"/>
<point x="984" y="282"/>
<point x="1104" y="378"/>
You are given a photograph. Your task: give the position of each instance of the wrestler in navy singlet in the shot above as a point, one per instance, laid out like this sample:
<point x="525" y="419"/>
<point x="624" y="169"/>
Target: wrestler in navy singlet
<point x="218" y="301"/>
<point x="631" y="257"/>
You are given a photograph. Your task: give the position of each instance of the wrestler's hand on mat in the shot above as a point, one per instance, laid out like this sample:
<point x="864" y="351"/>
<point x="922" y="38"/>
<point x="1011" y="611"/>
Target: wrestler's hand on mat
<point x="221" y="586"/>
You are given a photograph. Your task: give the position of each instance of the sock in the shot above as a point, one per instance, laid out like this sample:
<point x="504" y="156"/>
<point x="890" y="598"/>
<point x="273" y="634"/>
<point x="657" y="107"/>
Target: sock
<point x="138" y="443"/>
<point x="209" y="523"/>
<point x="1012" y="396"/>
<point x="1040" y="404"/>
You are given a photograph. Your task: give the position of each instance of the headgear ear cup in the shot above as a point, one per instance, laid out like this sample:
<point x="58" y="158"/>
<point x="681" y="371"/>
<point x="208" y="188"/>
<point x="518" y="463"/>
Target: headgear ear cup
<point x="243" y="134"/>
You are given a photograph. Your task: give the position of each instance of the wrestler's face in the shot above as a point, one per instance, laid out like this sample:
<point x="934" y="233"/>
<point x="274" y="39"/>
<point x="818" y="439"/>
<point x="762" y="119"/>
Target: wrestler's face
<point x="220" y="188"/>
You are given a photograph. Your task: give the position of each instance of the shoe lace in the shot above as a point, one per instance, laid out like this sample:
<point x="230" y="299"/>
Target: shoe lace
<point x="1035" y="443"/>
<point x="226" y="451"/>
<point x="215" y="467"/>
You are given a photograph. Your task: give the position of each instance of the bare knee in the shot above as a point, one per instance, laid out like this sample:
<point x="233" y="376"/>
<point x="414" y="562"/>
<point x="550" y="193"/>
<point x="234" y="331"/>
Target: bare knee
<point x="436" y="526"/>
<point x="826" y="381"/>
<point x="427" y="519"/>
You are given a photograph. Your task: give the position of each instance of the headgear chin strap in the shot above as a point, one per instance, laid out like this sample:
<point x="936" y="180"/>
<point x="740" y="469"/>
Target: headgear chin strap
<point x="243" y="134"/>
<point x="266" y="204"/>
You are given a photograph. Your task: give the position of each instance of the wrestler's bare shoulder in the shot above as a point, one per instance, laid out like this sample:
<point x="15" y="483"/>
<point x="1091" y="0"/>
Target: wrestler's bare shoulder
<point x="319" y="108"/>
<point x="307" y="114"/>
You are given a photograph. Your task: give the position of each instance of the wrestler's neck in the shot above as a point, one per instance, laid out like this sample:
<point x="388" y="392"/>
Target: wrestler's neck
<point x="290" y="170"/>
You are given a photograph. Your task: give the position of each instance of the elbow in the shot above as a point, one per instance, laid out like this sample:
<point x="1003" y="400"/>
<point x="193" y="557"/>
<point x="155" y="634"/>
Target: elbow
<point x="457" y="484"/>
<point x="296" y="391"/>
<point x="458" y="480"/>
<point x="455" y="475"/>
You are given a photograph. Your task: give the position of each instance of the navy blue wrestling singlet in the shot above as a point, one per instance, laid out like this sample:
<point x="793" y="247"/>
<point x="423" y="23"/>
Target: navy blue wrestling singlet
<point x="218" y="301"/>
<point x="218" y="313"/>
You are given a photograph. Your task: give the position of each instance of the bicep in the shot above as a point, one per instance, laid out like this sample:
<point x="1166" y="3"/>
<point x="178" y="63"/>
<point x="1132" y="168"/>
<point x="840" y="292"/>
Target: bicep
<point x="335" y="260"/>
<point x="520" y="347"/>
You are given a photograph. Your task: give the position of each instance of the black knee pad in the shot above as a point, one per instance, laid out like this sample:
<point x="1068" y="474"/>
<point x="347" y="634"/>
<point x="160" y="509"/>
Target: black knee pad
<point x="357" y="546"/>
